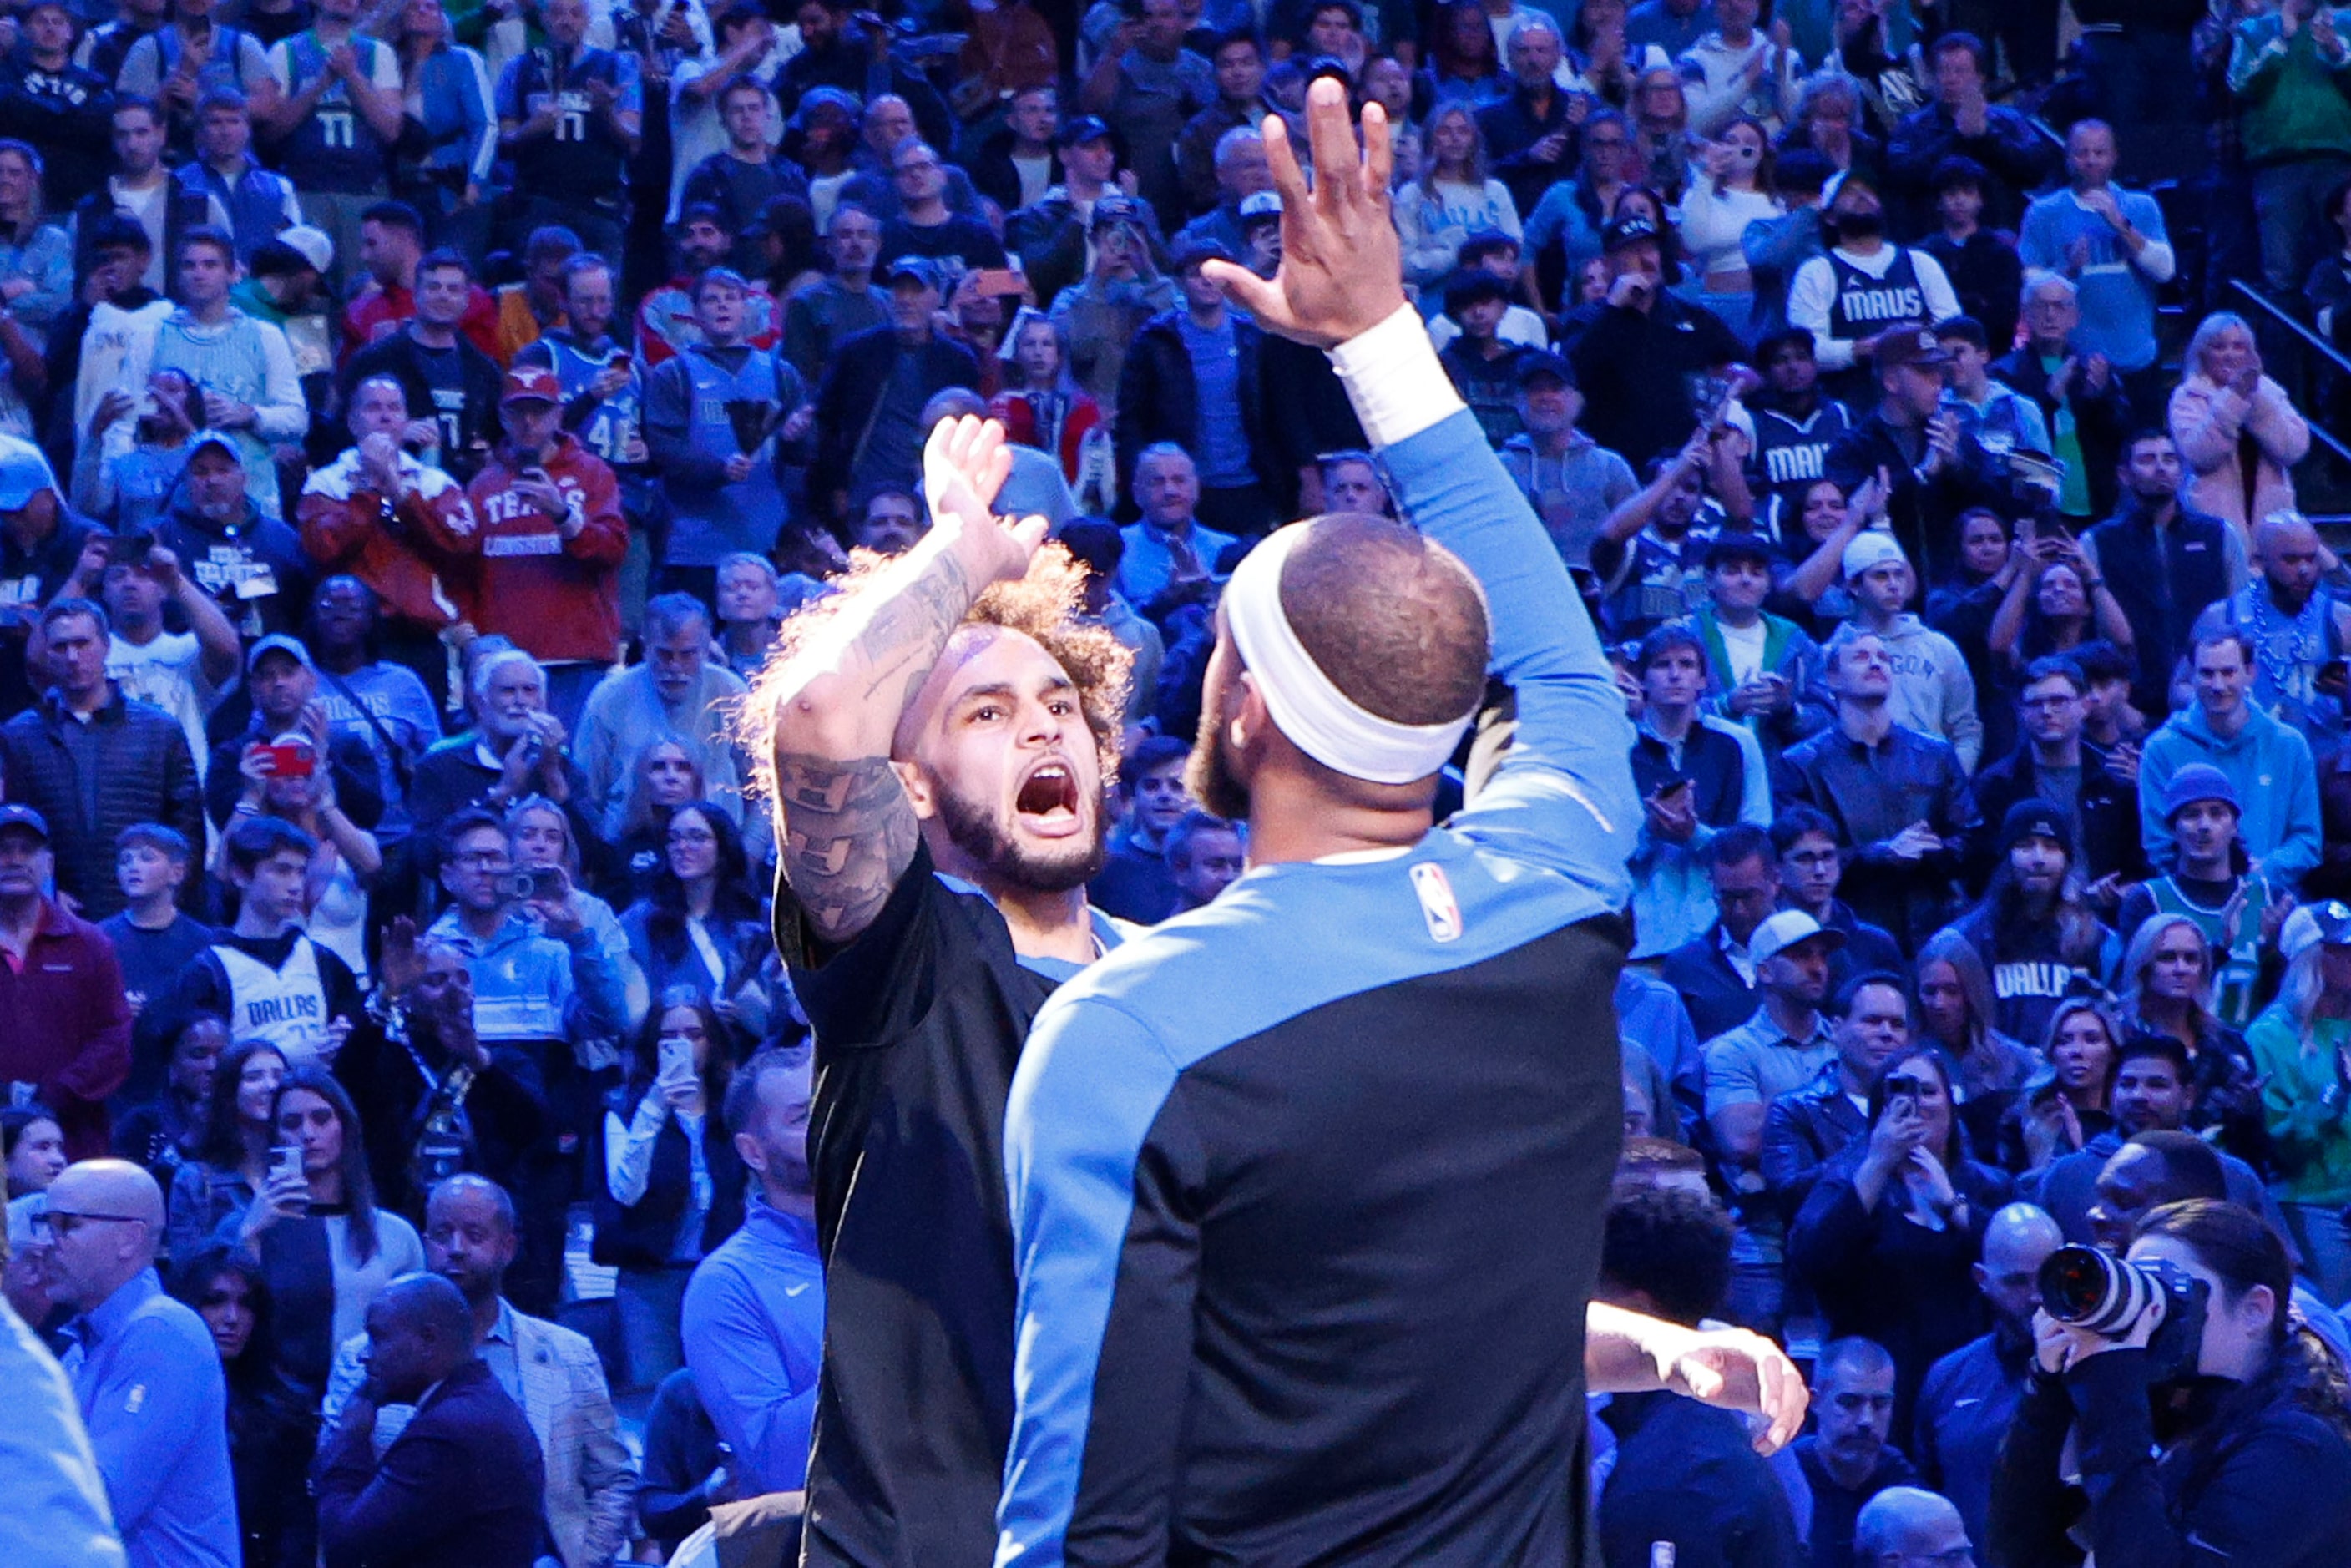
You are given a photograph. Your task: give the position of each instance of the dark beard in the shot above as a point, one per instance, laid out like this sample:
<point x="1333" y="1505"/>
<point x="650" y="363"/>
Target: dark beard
<point x="1208" y="775"/>
<point x="972" y="828"/>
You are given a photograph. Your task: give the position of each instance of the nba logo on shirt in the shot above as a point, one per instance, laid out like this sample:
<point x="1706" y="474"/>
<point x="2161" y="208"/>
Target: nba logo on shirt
<point x="1436" y="905"/>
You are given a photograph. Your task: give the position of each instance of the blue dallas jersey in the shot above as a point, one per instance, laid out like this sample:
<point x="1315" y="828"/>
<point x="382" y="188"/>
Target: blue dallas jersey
<point x="1307" y="1185"/>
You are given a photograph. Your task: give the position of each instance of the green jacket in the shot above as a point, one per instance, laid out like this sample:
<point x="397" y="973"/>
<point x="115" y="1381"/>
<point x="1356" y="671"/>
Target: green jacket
<point x="2312" y="1141"/>
<point x="2292" y="99"/>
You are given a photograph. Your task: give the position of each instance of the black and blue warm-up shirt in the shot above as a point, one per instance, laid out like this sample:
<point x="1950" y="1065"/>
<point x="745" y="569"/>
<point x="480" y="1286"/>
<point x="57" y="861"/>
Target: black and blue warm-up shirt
<point x="1307" y="1186"/>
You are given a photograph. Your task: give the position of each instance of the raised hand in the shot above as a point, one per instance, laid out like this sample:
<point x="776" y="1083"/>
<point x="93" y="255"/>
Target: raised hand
<point x="1342" y="269"/>
<point x="964" y="466"/>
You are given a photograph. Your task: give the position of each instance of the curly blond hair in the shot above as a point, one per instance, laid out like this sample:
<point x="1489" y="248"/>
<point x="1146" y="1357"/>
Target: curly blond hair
<point x="1047" y="606"/>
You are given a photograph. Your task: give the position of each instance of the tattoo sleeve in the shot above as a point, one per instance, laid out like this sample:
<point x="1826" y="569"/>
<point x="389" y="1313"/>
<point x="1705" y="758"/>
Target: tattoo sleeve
<point x="849" y="834"/>
<point x="847" y="831"/>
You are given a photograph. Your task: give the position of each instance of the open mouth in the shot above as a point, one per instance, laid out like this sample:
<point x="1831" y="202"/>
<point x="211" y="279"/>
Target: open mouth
<point x="1048" y="796"/>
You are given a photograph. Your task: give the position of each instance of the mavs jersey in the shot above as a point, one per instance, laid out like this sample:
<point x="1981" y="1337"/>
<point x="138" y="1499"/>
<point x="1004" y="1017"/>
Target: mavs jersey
<point x="1864" y="306"/>
<point x="334" y="148"/>
<point x="705" y="526"/>
<point x="612" y="432"/>
<point x="583" y="161"/>
<point x="285" y="1006"/>
<point x="1791" y="454"/>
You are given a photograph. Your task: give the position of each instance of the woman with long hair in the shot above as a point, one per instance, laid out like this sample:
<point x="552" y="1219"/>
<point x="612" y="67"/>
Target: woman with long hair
<point x="2167" y="979"/>
<point x="36" y="277"/>
<point x="1041" y="404"/>
<point x="2242" y="1456"/>
<point x="1599" y="54"/>
<point x="1812" y="593"/>
<point x="232" y="1161"/>
<point x="271" y="1428"/>
<point x="1661" y="129"/>
<point x="1954" y="994"/>
<point x="2053" y="604"/>
<point x="314" y="1230"/>
<point x="449" y="131"/>
<point x="700" y="928"/>
<point x="539" y="837"/>
<point x="1893" y="1229"/>
<point x="668" y="774"/>
<point x="1729" y="188"/>
<point x="1565" y="230"/>
<point x="672" y="1184"/>
<point x="2238" y="432"/>
<point x="1453" y="199"/>
<point x="2302" y="1051"/>
<point x="2064" y="1106"/>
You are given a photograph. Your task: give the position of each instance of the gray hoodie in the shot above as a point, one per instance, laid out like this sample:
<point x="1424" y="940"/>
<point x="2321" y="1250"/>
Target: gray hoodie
<point x="1933" y="691"/>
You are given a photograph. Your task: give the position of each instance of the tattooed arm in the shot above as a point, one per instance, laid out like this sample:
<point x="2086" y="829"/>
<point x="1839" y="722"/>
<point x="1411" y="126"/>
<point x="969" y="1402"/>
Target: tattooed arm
<point x="844" y="823"/>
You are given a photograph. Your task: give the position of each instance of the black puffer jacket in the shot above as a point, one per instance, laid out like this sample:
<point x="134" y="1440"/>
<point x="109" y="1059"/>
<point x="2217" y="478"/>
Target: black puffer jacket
<point x="130" y="764"/>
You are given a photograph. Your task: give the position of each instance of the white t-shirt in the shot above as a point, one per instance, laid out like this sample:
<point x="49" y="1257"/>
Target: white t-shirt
<point x="169" y="673"/>
<point x="1745" y="648"/>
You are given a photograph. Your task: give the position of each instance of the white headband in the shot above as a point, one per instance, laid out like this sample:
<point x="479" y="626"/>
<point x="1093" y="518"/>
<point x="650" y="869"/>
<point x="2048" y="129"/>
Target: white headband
<point x="1319" y="718"/>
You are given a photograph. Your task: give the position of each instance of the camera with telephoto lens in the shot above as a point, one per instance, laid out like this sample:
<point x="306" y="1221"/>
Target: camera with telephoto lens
<point x="2083" y="1288"/>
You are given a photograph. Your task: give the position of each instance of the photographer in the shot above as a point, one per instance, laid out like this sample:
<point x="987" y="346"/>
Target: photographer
<point x="2241" y="1452"/>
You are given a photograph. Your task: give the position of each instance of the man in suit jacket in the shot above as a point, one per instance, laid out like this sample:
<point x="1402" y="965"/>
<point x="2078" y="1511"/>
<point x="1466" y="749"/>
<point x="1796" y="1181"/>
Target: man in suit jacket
<point x="461" y="1485"/>
<point x="550" y="1372"/>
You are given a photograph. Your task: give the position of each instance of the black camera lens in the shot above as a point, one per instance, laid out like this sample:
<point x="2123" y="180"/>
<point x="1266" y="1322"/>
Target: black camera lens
<point x="2084" y="1287"/>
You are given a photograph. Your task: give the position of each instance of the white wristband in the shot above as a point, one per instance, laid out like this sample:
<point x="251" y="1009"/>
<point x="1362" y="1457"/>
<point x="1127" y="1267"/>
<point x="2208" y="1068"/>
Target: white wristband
<point x="1394" y="380"/>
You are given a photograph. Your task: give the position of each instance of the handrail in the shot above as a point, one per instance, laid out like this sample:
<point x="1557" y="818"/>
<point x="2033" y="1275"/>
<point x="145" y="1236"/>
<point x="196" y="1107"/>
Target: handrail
<point x="2309" y="341"/>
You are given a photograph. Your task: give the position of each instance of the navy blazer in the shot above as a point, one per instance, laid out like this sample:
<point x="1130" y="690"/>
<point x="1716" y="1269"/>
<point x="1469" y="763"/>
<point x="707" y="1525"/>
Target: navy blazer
<point x="462" y="1487"/>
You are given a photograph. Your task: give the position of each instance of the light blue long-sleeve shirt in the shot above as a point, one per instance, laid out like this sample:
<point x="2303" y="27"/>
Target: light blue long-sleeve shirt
<point x="753" y="1327"/>
<point x="2276" y="781"/>
<point x="53" y="1505"/>
<point x="155" y="1403"/>
<point x="1542" y="846"/>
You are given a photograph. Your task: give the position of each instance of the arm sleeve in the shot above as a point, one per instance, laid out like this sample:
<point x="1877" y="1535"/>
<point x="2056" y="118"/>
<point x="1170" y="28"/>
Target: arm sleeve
<point x="762" y="1400"/>
<point x="1809" y="295"/>
<point x="606" y="1472"/>
<point x="2234" y="1516"/>
<point x="101" y="1064"/>
<point x="1563" y="798"/>
<point x="2298" y="850"/>
<point x="138" y="1419"/>
<point x="1942" y="302"/>
<point x="384" y="1511"/>
<point x="282" y="415"/>
<point x="1108" y="1259"/>
<point x="629" y="1150"/>
<point x="481" y="118"/>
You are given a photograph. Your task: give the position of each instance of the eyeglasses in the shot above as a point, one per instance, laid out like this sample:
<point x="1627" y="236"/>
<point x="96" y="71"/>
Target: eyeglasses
<point x="63" y="1222"/>
<point x="480" y="861"/>
<point x="694" y="836"/>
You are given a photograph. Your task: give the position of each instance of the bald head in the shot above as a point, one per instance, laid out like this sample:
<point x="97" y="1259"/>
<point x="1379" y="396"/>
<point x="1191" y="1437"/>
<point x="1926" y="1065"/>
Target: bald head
<point x="113" y="1186"/>
<point x="1393" y="617"/>
<point x="106" y="1220"/>
<point x="418" y="1331"/>
<point x="2020" y="1235"/>
<point x="1903" y="1524"/>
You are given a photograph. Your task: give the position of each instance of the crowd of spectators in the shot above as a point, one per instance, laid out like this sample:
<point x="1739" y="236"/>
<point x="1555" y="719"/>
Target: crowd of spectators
<point x="417" y="421"/>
